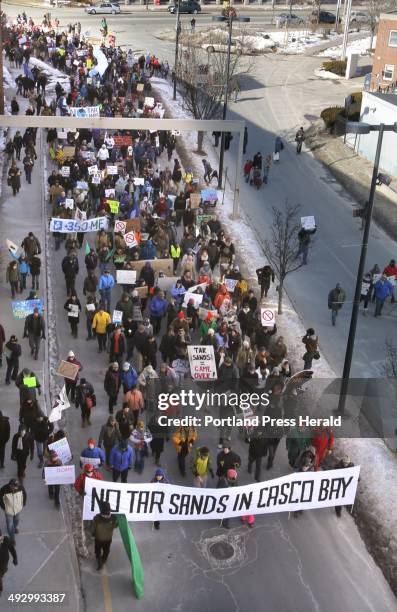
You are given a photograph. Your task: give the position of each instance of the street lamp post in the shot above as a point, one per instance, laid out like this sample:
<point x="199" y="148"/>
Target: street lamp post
<point x="178" y="31"/>
<point x="361" y="128"/>
<point x="229" y="19"/>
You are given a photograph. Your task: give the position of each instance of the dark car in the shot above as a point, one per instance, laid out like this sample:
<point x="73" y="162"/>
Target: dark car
<point x="186" y="6"/>
<point x="323" y="17"/>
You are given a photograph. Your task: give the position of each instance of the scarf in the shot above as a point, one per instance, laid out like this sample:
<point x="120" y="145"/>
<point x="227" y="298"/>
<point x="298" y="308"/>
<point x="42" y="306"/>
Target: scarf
<point x="20" y="443"/>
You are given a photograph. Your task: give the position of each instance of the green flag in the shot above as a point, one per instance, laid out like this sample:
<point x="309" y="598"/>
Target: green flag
<point x="87" y="248"/>
<point x="110" y="254"/>
<point x="133" y="555"/>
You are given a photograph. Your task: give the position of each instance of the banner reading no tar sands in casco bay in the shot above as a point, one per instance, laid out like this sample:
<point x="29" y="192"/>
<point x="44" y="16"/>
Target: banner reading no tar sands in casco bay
<point x="167" y="502"/>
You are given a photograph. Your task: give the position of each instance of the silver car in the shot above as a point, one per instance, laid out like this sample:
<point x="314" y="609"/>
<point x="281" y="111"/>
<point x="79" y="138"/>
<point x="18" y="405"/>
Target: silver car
<point x="104" y="7"/>
<point x="290" y="20"/>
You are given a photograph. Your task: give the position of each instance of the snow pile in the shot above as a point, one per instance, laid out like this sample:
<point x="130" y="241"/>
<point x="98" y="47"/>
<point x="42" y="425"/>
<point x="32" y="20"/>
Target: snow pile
<point x="7" y="78"/>
<point x="326" y="74"/>
<point x="360" y="46"/>
<point x="53" y="74"/>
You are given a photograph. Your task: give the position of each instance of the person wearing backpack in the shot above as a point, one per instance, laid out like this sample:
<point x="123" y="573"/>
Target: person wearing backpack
<point x="86" y="400"/>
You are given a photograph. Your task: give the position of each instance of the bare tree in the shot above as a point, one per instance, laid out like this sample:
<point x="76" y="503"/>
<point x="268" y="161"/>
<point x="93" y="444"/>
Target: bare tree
<point x="282" y="246"/>
<point x="374" y="8"/>
<point x="201" y="77"/>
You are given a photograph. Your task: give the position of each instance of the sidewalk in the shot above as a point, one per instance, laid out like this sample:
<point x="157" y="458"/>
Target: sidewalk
<point x="354" y="173"/>
<point x="44" y="547"/>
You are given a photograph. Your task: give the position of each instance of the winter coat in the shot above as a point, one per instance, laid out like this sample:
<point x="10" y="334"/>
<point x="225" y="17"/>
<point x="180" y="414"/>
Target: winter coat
<point x="12" y="273"/>
<point x="27" y="446"/>
<point x="70" y="267"/>
<point x="129" y="379"/>
<point x="336" y="299"/>
<point x="42" y="429"/>
<point x="34" y="325"/>
<point x="31" y="246"/>
<point x="311" y="343"/>
<point x="100" y="322"/>
<point x="382" y="289"/>
<point x="13" y="352"/>
<point x="4" y="429"/>
<point x="106" y="281"/>
<point x="158" y="307"/>
<point x="83" y="392"/>
<point x="79" y="483"/>
<point x="103" y="527"/>
<point x="112" y="383"/>
<point x="227" y="461"/>
<point x="29" y="412"/>
<point x="120" y="459"/>
<point x="12" y="502"/>
<point x="121" y="343"/>
<point x="93" y="453"/>
<point x="323" y="441"/>
<point x="109" y="436"/>
<point x="134" y="399"/>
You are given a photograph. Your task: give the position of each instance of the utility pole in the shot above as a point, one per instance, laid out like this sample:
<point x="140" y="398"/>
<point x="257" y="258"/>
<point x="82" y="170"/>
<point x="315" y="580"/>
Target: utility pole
<point x="338" y="7"/>
<point x="225" y="100"/>
<point x="1" y="65"/>
<point x="348" y="4"/>
<point x="178" y="31"/>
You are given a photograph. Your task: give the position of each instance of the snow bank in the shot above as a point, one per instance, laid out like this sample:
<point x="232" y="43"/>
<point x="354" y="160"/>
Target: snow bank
<point x="356" y="46"/>
<point x="53" y="74"/>
<point x="326" y="74"/>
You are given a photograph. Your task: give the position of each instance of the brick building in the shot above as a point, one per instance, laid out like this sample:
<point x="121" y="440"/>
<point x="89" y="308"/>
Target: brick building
<point x="384" y="70"/>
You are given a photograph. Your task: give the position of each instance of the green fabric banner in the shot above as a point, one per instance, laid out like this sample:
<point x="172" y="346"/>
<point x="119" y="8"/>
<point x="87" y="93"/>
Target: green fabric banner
<point x="110" y="254"/>
<point x="87" y="248"/>
<point x="133" y="555"/>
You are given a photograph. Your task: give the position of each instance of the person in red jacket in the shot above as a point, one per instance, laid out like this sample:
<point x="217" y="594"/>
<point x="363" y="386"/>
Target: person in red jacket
<point x="71" y="384"/>
<point x="323" y="442"/>
<point x="391" y="270"/>
<point x="89" y="472"/>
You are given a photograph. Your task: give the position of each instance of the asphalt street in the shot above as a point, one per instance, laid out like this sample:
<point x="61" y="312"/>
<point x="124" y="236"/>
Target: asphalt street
<point x="316" y="563"/>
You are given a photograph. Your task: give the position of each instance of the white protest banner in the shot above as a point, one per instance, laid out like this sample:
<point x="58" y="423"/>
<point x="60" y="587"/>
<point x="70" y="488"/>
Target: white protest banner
<point x="55" y="414"/>
<point x="92" y="170"/>
<point x="230" y="284"/>
<point x="196" y="297"/>
<point x="149" y="502"/>
<point x="308" y="223"/>
<point x="69" y="203"/>
<point x="62" y="135"/>
<point x="62" y="449"/>
<point x="130" y="240"/>
<point x="126" y="277"/>
<point x="65" y="171"/>
<point x="120" y="226"/>
<point x="112" y="170"/>
<point x="149" y="102"/>
<point x="61" y="474"/>
<point x="202" y="362"/>
<point x="70" y="226"/>
<point x="12" y="247"/>
<point x="110" y="193"/>
<point x="268" y="317"/>
<point x="95" y="461"/>
<point x="84" y="111"/>
<point x="117" y="316"/>
<point x="96" y="179"/>
<point x="138" y="180"/>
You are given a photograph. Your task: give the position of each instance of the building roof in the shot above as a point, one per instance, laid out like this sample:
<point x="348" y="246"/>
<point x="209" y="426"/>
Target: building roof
<point x="387" y="97"/>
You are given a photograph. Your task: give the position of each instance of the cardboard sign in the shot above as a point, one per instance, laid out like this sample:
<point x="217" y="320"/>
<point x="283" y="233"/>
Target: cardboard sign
<point x="140" y="87"/>
<point x="93" y="170"/>
<point x="62" y="449"/>
<point x="202" y="362"/>
<point x="230" y="284"/>
<point x="90" y="307"/>
<point x="268" y="317"/>
<point x="68" y="152"/>
<point x="62" y="135"/>
<point x="109" y="193"/>
<point x="130" y="240"/>
<point x="308" y="223"/>
<point x="195" y="200"/>
<point x="196" y="297"/>
<point x="111" y="170"/>
<point x="138" y="180"/>
<point x="126" y="277"/>
<point x="114" y="206"/>
<point x="69" y="203"/>
<point x="62" y="474"/>
<point x="30" y="381"/>
<point x="158" y="265"/>
<point x="133" y="225"/>
<point x="120" y="226"/>
<point x="68" y="370"/>
<point x="117" y="316"/>
<point x="65" y="171"/>
<point x="122" y="141"/>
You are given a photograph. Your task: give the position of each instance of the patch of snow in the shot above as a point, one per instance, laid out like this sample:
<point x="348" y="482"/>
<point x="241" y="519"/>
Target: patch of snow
<point x="326" y="74"/>
<point x="53" y="74"/>
<point x="7" y="78"/>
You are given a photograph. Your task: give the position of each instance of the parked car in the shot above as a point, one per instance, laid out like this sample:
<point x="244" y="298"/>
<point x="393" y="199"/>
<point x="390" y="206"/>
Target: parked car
<point x="323" y="17"/>
<point x="104" y="7"/>
<point x="235" y="47"/>
<point x="186" y="6"/>
<point x="358" y="17"/>
<point x="284" y="19"/>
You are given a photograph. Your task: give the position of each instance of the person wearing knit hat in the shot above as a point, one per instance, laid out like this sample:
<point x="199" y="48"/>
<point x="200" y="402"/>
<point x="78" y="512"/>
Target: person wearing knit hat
<point x="181" y="315"/>
<point x="228" y="479"/>
<point x="102" y="529"/>
<point x="88" y="472"/>
<point x="92" y="454"/>
<point x="159" y="477"/>
<point x="53" y="490"/>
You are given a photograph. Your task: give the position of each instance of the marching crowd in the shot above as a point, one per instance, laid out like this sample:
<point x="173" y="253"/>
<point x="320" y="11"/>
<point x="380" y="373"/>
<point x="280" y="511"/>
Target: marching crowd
<point x="161" y="275"/>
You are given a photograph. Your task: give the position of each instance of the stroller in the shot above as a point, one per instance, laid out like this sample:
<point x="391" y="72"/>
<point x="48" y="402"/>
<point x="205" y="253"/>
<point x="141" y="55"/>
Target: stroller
<point x="256" y="178"/>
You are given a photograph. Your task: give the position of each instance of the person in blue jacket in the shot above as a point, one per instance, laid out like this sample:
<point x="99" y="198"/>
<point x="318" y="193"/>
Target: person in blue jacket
<point x="129" y="377"/>
<point x="121" y="460"/>
<point x="105" y="285"/>
<point x="178" y="291"/>
<point x="148" y="250"/>
<point x="92" y="452"/>
<point x="382" y="289"/>
<point x="157" y="309"/>
<point x="24" y="270"/>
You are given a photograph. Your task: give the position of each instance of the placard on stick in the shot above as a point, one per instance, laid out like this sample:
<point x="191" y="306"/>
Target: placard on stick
<point x="68" y="370"/>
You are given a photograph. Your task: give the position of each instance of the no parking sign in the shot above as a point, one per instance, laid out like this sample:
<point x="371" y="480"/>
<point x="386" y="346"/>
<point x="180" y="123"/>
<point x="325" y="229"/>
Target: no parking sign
<point x="268" y="317"/>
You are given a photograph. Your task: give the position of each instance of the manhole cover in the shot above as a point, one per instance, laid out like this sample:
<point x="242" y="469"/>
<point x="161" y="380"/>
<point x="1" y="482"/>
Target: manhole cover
<point x="221" y="550"/>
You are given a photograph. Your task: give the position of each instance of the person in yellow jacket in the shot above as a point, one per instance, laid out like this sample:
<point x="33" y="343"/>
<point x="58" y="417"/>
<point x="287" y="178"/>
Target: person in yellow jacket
<point x="100" y="323"/>
<point x="175" y="252"/>
<point x="183" y="440"/>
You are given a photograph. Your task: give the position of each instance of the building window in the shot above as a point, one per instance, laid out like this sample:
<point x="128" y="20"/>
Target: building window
<point x="388" y="72"/>
<point x="393" y="38"/>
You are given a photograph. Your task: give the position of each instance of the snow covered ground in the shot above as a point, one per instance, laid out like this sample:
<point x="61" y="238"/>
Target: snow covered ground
<point x="356" y="46"/>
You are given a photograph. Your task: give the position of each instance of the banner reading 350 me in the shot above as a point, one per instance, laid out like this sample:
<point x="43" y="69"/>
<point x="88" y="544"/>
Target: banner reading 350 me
<point x="167" y="502"/>
<point x="70" y="226"/>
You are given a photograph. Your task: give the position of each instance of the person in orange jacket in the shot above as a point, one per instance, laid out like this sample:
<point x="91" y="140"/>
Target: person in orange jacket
<point x="221" y="295"/>
<point x="323" y="442"/>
